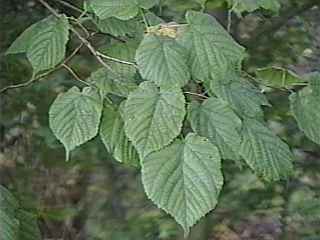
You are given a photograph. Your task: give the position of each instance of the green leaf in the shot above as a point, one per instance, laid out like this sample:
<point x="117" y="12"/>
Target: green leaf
<point x="163" y="61"/>
<point x="242" y="96"/>
<point x="240" y="6"/>
<point x="306" y="110"/>
<point x="266" y="154"/>
<point x="121" y="9"/>
<point x="215" y="120"/>
<point x="109" y="82"/>
<point x="125" y="52"/>
<point x="117" y="27"/>
<point x="28" y="228"/>
<point x="113" y="136"/>
<point x="9" y="226"/>
<point x="212" y="51"/>
<point x="153" y="117"/>
<point x="278" y="77"/>
<point x="74" y="117"/>
<point x="44" y="43"/>
<point x="184" y="179"/>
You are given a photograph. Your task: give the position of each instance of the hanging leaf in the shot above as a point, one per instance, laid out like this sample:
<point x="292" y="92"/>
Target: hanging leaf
<point x="109" y="82"/>
<point x="215" y="120"/>
<point x="44" y="43"/>
<point x="243" y="97"/>
<point x="113" y="136"/>
<point x="163" y="61"/>
<point x="153" y="117"/>
<point x="212" y="51"/>
<point x="306" y="110"/>
<point x="184" y="179"/>
<point x="121" y="9"/>
<point x="278" y="77"/>
<point x="74" y="117"/>
<point x="266" y="154"/>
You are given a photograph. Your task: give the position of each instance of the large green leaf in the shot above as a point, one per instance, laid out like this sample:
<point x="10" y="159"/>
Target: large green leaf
<point x="184" y="179"/>
<point x="113" y="136"/>
<point x="240" y="6"/>
<point x="109" y="82"/>
<point x="74" y="117"/>
<point x="163" y="61"/>
<point x="278" y="77"/>
<point x="15" y="222"/>
<point x="212" y="51"/>
<point x="215" y="120"/>
<point x="153" y="117"/>
<point x="306" y="110"/>
<point x="121" y="9"/>
<point x="44" y="43"/>
<point x="242" y="96"/>
<point x="266" y="154"/>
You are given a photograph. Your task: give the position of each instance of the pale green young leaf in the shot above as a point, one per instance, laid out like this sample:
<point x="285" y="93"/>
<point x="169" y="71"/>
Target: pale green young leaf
<point x="305" y="108"/>
<point x="114" y="138"/>
<point x="153" y="117"/>
<point x="44" y="43"/>
<point x="212" y="51"/>
<point x="121" y="9"/>
<point x="163" y="61"/>
<point x="112" y="83"/>
<point x="184" y="179"/>
<point x="74" y="117"/>
<point x="215" y="120"/>
<point x="278" y="77"/>
<point x="266" y="154"/>
<point x="242" y="95"/>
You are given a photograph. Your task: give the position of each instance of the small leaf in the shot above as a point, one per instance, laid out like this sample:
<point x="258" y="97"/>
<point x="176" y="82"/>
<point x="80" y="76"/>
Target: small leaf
<point x="113" y="136"/>
<point x="44" y="43"/>
<point x="215" y="120"/>
<point x="243" y="97"/>
<point x="212" y="51"/>
<point x="153" y="117"/>
<point x="240" y="6"/>
<point x="278" y="77"/>
<point x="109" y="82"/>
<point x="163" y="61"/>
<point x="74" y="117"/>
<point x="121" y="9"/>
<point x="266" y="154"/>
<point x="184" y="179"/>
<point x="306" y="110"/>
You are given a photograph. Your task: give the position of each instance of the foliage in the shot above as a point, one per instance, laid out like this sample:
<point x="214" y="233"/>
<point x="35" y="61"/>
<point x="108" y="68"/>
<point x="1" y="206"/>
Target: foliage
<point x="171" y="98"/>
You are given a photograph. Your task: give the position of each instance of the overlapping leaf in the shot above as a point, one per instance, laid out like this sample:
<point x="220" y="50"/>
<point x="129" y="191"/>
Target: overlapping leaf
<point x="266" y="154"/>
<point x="163" y="61"/>
<point x="121" y="9"/>
<point x="113" y="136"/>
<point x="212" y="51"/>
<point x="306" y="110"/>
<point x="215" y="120"/>
<point x="240" y="6"/>
<point x="44" y="43"/>
<point x="112" y="82"/>
<point x="74" y="117"/>
<point x="117" y="27"/>
<point x="184" y="179"/>
<point x="242" y="96"/>
<point x="153" y="117"/>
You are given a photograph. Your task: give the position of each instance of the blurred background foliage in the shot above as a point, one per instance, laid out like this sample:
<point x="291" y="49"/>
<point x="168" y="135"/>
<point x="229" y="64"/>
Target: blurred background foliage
<point x="94" y="197"/>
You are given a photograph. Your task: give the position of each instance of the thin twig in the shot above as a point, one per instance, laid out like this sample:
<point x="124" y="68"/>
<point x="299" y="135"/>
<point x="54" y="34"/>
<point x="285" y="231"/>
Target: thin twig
<point x="46" y="5"/>
<point x="196" y="94"/>
<point x="116" y="60"/>
<point x="73" y="73"/>
<point x="69" y="5"/>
